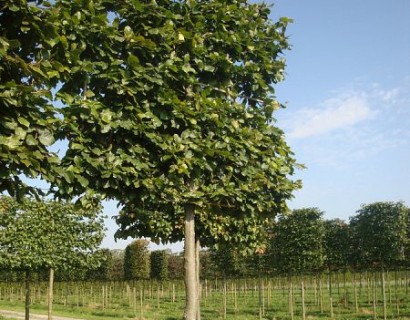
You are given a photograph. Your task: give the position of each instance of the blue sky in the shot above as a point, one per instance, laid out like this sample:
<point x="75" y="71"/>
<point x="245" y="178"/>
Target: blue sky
<point x="348" y="103"/>
<point x="348" y="95"/>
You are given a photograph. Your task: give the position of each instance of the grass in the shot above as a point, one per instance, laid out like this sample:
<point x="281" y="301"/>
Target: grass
<point x="121" y="300"/>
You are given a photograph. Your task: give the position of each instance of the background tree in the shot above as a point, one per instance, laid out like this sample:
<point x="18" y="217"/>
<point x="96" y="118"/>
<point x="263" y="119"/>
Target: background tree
<point x="208" y="268"/>
<point x="105" y="270"/>
<point x="379" y="233"/>
<point x="159" y="265"/>
<point x="297" y="241"/>
<point x="170" y="112"/>
<point x="118" y="264"/>
<point x="137" y="260"/>
<point x="46" y="234"/>
<point x="228" y="262"/>
<point x="337" y="244"/>
<point x="176" y="266"/>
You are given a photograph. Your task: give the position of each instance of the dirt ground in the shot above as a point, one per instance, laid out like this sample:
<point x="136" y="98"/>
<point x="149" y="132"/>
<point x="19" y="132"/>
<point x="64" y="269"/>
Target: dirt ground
<point x="20" y="315"/>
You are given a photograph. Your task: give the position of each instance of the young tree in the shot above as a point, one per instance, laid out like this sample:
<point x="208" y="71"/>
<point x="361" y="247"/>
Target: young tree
<point x="176" y="266"/>
<point x="137" y="260"/>
<point x="297" y="241"/>
<point x="228" y="261"/>
<point x="379" y="233"/>
<point x="337" y="247"/>
<point x="105" y="270"/>
<point x="170" y="112"/>
<point x="159" y="265"/>
<point x="117" y="272"/>
<point x="46" y="234"/>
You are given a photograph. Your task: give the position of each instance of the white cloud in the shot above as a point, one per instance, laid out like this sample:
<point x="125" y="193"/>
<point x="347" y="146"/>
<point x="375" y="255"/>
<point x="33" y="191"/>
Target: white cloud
<point x="336" y="113"/>
<point x="389" y="95"/>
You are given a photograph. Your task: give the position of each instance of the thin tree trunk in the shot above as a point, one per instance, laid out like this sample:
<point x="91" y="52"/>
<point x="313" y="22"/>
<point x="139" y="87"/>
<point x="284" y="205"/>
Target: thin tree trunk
<point x="290" y="297"/>
<point x="198" y="280"/>
<point x="27" y="302"/>
<point x="396" y="293"/>
<point x="303" y="301"/>
<point x="190" y="278"/>
<point x="356" y="304"/>
<point x="225" y="296"/>
<point x="384" y="295"/>
<point x="50" y="293"/>
<point x="320" y="293"/>
<point x="141" y="303"/>
<point x="260" y="297"/>
<point x="375" y="297"/>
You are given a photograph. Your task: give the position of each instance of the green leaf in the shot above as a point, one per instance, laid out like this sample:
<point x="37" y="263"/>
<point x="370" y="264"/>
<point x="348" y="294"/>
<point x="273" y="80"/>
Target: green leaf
<point x="31" y="141"/>
<point x="45" y="137"/>
<point x="133" y="61"/>
<point x="106" y="116"/>
<point x="23" y="121"/>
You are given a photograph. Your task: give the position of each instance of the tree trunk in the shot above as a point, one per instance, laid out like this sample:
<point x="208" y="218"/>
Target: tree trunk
<point x="190" y="278"/>
<point x="384" y="294"/>
<point x="50" y="293"/>
<point x="290" y="301"/>
<point x="27" y="302"/>
<point x="303" y="301"/>
<point x="198" y="280"/>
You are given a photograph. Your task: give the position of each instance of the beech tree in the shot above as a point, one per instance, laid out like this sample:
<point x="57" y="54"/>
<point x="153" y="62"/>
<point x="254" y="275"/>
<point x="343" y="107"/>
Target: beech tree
<point x="105" y="270"/>
<point x="379" y="233"/>
<point x="169" y="109"/>
<point x="297" y="241"/>
<point x="137" y="260"/>
<point x="159" y="265"/>
<point x="37" y="235"/>
<point x="337" y="244"/>
<point x="28" y="72"/>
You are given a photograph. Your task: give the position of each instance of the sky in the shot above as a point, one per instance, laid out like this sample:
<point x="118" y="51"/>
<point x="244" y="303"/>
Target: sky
<point x="348" y="102"/>
<point x="347" y="91"/>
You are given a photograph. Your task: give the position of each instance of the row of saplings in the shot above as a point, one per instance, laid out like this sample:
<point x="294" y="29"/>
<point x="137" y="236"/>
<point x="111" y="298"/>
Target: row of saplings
<point x="299" y="242"/>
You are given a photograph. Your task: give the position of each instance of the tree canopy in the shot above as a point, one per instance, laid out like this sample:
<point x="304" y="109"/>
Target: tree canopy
<point x="27" y="74"/>
<point x="167" y="106"/>
<point x="298" y="241"/>
<point x="379" y="232"/>
<point x="48" y="234"/>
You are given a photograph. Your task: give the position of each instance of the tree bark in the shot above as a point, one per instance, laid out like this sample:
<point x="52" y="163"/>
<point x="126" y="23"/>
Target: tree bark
<point x="190" y="277"/>
<point x="27" y="302"/>
<point x="50" y="293"/>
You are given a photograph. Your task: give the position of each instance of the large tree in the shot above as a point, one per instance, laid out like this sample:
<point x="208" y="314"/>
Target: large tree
<point x="37" y="235"/>
<point x="169" y="110"/>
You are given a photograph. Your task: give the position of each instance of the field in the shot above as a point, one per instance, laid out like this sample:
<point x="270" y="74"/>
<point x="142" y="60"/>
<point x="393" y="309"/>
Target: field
<point x="338" y="296"/>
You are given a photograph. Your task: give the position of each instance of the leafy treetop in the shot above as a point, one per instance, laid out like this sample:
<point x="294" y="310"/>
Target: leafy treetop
<point x="173" y="107"/>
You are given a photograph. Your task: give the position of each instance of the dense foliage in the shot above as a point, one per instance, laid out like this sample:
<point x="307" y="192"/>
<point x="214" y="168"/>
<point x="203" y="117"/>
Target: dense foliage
<point x="337" y="245"/>
<point x="297" y="241"/>
<point x="159" y="265"/>
<point x="28" y="35"/>
<point x="339" y="252"/>
<point x="137" y="260"/>
<point x="379" y="233"/>
<point x="48" y="234"/>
